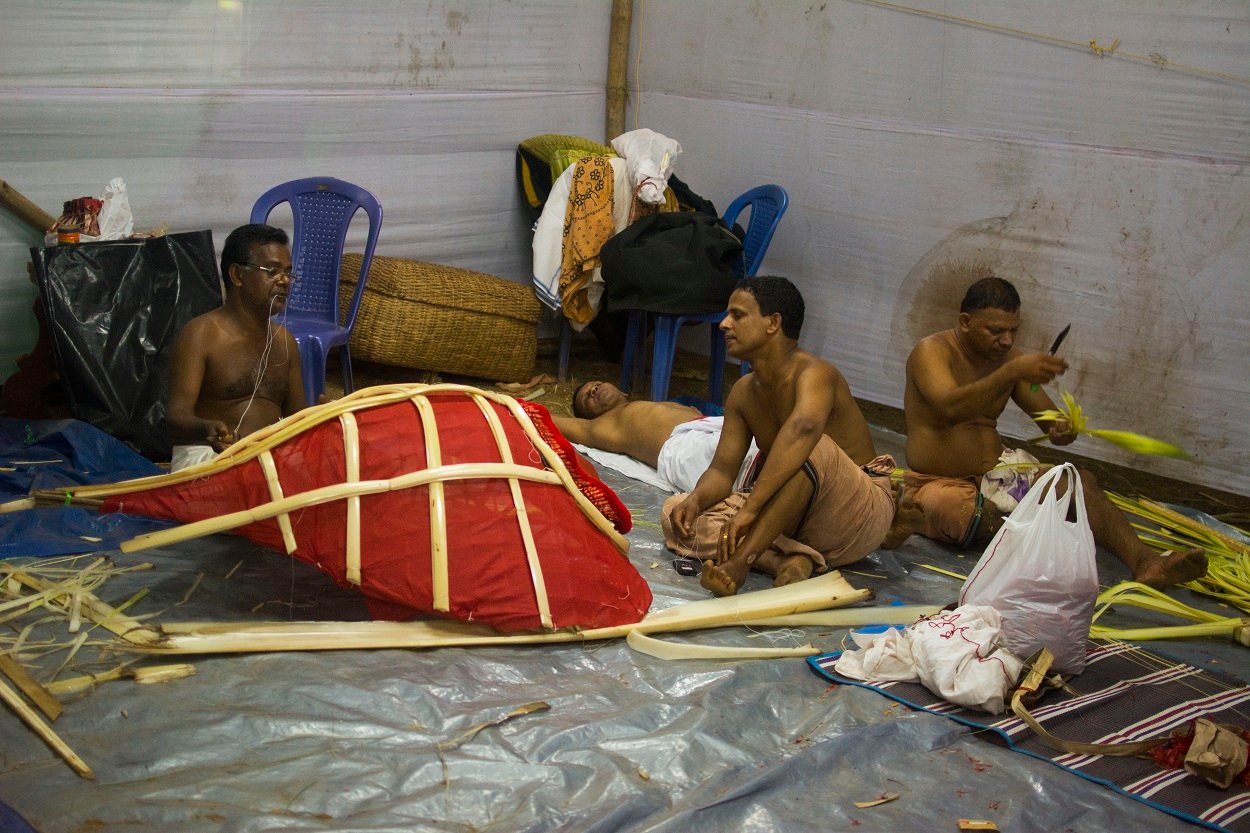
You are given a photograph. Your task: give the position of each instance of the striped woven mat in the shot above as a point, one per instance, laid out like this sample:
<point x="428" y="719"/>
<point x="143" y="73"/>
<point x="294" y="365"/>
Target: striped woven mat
<point x="1124" y="694"/>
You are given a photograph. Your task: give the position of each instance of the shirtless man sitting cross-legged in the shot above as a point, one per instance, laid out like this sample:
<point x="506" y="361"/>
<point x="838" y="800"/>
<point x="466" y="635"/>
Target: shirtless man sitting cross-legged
<point x="958" y="383"/>
<point x="812" y="506"/>
<point x="234" y="370"/>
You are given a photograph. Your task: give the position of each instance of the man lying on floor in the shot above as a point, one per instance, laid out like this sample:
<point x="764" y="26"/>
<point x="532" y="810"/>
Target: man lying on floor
<point x="813" y="505"/>
<point x="676" y="441"/>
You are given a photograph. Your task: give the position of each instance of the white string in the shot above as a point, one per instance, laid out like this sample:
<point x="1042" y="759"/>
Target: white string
<point x="262" y="364"/>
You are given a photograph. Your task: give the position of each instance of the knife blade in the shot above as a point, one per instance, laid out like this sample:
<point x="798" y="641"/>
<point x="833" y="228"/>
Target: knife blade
<point x="1054" y="348"/>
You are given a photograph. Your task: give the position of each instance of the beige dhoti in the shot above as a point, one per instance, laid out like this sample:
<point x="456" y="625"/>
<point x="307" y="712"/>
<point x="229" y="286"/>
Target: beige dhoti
<point x="848" y="516"/>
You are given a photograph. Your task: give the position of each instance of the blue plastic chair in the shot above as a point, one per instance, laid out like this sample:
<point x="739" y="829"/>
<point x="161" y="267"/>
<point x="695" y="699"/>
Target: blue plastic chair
<point x="767" y="203"/>
<point x="321" y="211"/>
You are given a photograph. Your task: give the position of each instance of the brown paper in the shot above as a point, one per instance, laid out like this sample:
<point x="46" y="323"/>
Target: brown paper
<point x="1216" y="754"/>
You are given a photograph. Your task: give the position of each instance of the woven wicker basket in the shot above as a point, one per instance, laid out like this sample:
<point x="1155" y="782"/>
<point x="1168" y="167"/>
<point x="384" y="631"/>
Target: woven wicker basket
<point x="433" y="317"/>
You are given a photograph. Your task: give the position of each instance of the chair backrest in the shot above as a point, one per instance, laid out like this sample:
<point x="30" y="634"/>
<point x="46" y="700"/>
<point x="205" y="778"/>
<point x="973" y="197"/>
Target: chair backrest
<point x="321" y="211"/>
<point x="767" y="203"/>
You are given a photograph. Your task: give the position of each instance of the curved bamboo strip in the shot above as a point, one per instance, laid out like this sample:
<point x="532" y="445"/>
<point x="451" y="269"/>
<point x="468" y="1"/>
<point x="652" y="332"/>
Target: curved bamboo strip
<point x="336" y="491"/>
<point x="351" y="471"/>
<point x="541" y="601"/>
<point x="275" y="491"/>
<point x="438" y="506"/>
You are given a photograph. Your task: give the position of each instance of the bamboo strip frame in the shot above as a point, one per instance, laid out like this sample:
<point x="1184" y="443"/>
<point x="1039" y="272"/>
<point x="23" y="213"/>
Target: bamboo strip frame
<point x="270" y="468"/>
<point x="270" y="436"/>
<point x="434" y="476"/>
<point x="351" y="470"/>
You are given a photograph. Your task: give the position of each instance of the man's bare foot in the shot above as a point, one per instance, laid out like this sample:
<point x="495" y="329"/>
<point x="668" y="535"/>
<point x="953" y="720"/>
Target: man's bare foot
<point x="908" y="518"/>
<point x="795" y="568"/>
<point x="1171" y="567"/>
<point x="724" y="579"/>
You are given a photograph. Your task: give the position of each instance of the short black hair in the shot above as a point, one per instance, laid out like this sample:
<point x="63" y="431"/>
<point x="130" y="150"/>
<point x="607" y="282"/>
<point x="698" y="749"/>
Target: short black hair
<point x="238" y="246"/>
<point x="777" y="295"/>
<point x="991" y="293"/>
<point x="578" y="411"/>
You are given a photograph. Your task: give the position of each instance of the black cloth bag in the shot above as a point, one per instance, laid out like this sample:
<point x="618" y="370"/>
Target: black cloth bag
<point x="113" y="311"/>
<point x="676" y="262"/>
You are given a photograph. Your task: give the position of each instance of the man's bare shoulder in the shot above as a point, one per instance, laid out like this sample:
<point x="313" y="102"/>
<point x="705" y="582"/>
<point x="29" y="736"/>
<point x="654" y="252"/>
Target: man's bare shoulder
<point x="936" y="348"/>
<point x="819" y="369"/>
<point x="212" y="321"/>
<point x="939" y="342"/>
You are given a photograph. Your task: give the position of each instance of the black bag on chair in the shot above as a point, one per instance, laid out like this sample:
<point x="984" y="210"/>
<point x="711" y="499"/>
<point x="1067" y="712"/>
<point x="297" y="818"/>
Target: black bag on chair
<point x="677" y="262"/>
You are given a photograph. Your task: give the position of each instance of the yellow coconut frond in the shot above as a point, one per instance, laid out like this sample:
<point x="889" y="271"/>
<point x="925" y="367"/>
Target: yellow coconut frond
<point x="1138" y="443"/>
<point x="1228" y="555"/>
<point x="1075" y="416"/>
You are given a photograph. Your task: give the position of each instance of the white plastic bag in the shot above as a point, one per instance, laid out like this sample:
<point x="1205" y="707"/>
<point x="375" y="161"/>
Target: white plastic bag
<point x="116" y="221"/>
<point x="650" y="157"/>
<point x="1039" y="573"/>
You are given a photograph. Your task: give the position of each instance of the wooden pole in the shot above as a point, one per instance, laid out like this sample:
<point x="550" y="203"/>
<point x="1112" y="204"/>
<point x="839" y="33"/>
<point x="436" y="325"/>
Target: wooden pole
<point x="27" y="211"/>
<point x="618" y="65"/>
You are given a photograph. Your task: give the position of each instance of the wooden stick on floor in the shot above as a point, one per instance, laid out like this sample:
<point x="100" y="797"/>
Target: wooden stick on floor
<point x="44" y="731"/>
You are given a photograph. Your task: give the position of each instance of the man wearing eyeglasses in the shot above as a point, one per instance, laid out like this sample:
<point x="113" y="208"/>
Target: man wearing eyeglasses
<point x="235" y="370"/>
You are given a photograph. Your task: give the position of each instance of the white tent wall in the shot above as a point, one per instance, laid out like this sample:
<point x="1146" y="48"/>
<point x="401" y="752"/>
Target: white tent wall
<point x="202" y="105"/>
<point x="1111" y="189"/>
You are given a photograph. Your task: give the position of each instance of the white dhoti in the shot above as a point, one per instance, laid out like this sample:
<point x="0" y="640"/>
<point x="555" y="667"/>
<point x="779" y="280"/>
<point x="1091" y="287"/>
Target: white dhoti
<point x="186" y="456"/>
<point x="688" y="452"/>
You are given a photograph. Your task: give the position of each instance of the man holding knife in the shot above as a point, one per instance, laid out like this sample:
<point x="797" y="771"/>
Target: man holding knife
<point x="961" y="473"/>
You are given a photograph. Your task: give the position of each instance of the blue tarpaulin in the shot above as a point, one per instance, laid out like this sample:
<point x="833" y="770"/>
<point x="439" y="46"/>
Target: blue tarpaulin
<point x="45" y="454"/>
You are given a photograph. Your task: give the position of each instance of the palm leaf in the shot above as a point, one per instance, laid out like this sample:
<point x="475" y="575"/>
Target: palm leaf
<point x="1075" y="416"/>
<point x="1138" y="443"/>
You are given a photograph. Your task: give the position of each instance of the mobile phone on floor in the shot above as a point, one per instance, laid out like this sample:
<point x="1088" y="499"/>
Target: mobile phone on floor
<point x="687" y="566"/>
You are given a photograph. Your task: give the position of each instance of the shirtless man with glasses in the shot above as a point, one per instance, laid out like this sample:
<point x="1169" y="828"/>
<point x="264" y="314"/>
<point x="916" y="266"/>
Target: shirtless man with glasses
<point x="234" y="370"/>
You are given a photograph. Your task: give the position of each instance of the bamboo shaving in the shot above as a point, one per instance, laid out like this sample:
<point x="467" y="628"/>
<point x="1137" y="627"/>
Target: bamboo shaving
<point x="191" y="590"/>
<point x="163" y="673"/>
<point x="472" y="732"/>
<point x="884" y="798"/>
<point x="662" y="649"/>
